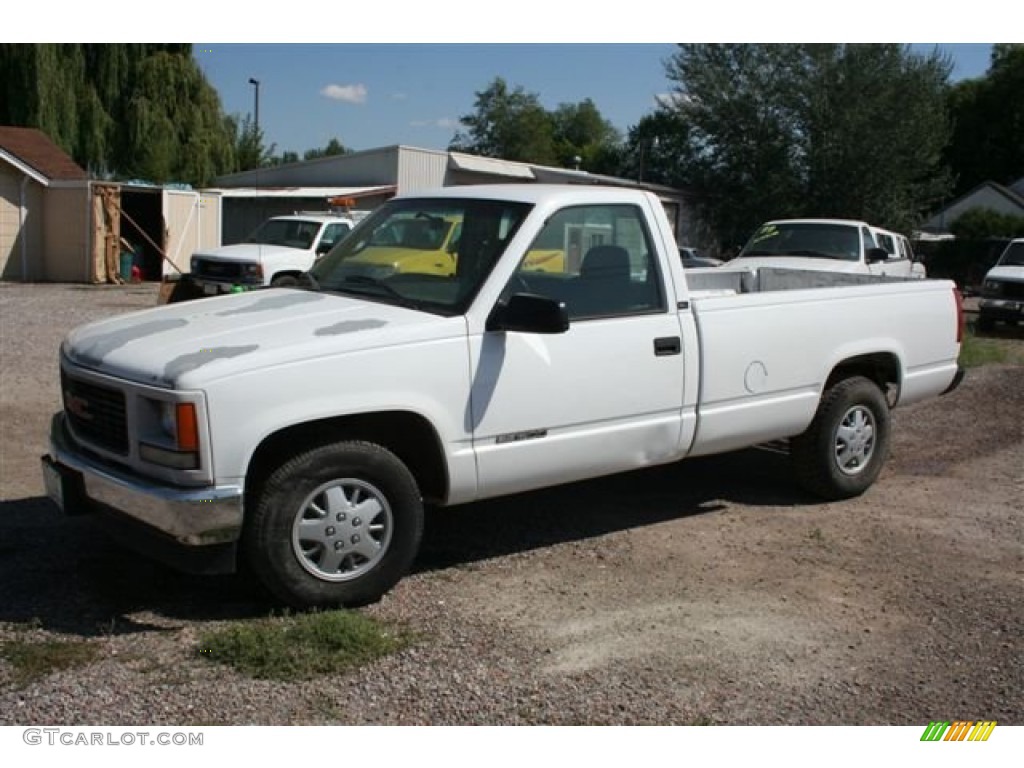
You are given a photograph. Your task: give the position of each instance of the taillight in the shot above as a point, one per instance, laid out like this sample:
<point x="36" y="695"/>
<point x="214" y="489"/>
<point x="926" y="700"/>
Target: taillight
<point x="959" y="299"/>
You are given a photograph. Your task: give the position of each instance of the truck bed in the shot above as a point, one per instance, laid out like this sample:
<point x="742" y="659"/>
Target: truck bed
<point x="715" y="281"/>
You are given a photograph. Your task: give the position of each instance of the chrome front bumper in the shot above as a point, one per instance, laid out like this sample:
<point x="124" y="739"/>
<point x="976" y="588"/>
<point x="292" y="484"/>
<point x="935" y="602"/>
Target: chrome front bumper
<point x="184" y="518"/>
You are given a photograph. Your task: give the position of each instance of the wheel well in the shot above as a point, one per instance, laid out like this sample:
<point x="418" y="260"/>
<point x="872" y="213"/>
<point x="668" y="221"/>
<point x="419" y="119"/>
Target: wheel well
<point x="883" y="368"/>
<point x="407" y="435"/>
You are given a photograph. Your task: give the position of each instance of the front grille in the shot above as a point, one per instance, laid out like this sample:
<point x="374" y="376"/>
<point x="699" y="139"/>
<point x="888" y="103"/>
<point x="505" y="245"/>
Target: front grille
<point x="96" y="413"/>
<point x="217" y="270"/>
<point x="1013" y="290"/>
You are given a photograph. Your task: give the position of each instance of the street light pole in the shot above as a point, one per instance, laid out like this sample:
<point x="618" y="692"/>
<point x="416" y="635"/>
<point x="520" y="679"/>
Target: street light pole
<point x="256" y="107"/>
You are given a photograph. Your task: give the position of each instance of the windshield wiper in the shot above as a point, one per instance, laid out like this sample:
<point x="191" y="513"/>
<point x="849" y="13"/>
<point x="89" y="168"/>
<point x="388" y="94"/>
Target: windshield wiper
<point x="817" y="254"/>
<point x="358" y="284"/>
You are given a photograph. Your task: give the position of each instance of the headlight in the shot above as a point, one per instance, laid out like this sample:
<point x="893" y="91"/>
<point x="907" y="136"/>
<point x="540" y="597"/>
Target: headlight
<point x="170" y="434"/>
<point x="252" y="270"/>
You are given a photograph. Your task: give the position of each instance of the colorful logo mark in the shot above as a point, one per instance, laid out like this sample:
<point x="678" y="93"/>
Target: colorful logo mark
<point x="960" y="730"/>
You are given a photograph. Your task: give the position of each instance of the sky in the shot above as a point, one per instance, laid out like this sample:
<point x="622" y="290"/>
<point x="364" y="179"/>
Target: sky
<point x="375" y="95"/>
<point x="375" y="73"/>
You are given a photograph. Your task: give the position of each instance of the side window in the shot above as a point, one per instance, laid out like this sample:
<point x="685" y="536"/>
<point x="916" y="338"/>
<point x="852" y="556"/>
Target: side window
<point x="869" y="240"/>
<point x="906" y="251"/>
<point x="332" y="234"/>
<point x="597" y="259"/>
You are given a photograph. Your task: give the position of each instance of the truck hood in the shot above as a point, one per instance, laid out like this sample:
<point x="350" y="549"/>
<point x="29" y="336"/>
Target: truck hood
<point x="1010" y="274"/>
<point x="190" y="344"/>
<point x="247" y="252"/>
<point x="795" y="262"/>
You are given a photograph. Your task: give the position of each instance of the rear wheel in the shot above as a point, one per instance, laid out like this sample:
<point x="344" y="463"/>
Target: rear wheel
<point x="842" y="452"/>
<point x="339" y="524"/>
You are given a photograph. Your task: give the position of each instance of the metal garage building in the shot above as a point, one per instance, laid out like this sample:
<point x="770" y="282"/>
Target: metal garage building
<point x="374" y="174"/>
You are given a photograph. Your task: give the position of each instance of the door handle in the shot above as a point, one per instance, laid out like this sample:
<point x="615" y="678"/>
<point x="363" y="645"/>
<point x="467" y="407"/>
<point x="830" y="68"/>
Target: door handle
<point x="667" y="345"/>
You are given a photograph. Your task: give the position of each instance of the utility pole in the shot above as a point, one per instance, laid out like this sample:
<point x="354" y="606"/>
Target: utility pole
<point x="256" y="107"/>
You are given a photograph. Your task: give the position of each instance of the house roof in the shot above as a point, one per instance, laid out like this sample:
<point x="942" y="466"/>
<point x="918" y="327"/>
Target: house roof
<point x="1006" y="192"/>
<point x="37" y="151"/>
<point x="940" y="220"/>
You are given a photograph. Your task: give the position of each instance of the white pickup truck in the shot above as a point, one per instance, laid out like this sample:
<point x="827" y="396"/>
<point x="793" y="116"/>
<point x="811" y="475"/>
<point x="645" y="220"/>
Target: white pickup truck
<point x="305" y="428"/>
<point x="830" y="245"/>
<point x="1002" y="292"/>
<point x="276" y="253"/>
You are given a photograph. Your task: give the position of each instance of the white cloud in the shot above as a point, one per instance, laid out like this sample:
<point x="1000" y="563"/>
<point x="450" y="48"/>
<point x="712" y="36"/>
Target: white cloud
<point x="353" y="94"/>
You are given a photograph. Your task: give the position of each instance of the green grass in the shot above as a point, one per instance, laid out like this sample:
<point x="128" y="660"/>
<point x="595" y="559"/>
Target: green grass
<point x="976" y="351"/>
<point x="32" y="660"/>
<point x="302" y="646"/>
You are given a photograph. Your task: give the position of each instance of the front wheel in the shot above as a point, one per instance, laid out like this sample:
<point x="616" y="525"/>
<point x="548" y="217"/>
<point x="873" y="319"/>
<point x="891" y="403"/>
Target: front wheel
<point x="339" y="524"/>
<point x="842" y="452"/>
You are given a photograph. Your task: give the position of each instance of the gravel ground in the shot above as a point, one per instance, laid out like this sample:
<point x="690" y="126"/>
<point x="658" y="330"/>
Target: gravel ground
<point x="711" y="591"/>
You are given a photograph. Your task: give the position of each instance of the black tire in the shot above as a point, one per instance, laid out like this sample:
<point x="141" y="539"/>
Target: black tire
<point x="309" y="560"/>
<point x="184" y="290"/>
<point x="842" y="452"/>
<point x="985" y="323"/>
<point x="285" y="281"/>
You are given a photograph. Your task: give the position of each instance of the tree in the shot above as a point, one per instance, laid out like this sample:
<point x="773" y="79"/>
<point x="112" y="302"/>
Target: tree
<point x="988" y="123"/>
<point x="582" y="136"/>
<point x="985" y="223"/>
<point x="654" y="149"/>
<point x="770" y="131"/>
<point x="141" y="109"/>
<point x="334" y="147"/>
<point x="508" y="124"/>
<point x="249" y="151"/>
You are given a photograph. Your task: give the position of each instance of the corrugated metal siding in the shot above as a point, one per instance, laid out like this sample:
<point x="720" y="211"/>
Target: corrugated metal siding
<point x="66" y="234"/>
<point x="420" y="169"/>
<point x="374" y="167"/>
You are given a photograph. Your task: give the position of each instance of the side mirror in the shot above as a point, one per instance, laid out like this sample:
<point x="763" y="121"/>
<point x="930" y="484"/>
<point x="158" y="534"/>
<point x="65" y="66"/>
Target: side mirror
<point x="323" y="248"/>
<point x="874" y="255"/>
<point x="529" y="313"/>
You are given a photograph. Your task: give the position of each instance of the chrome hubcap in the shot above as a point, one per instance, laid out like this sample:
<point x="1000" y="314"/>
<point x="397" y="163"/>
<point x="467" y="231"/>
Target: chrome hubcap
<point x="855" y="440"/>
<point x="342" y="530"/>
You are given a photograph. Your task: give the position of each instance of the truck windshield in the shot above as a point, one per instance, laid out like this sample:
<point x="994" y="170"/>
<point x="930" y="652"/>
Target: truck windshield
<point x="287" y="232"/>
<point x="430" y="254"/>
<point x="1013" y="256"/>
<point x="822" y="240"/>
